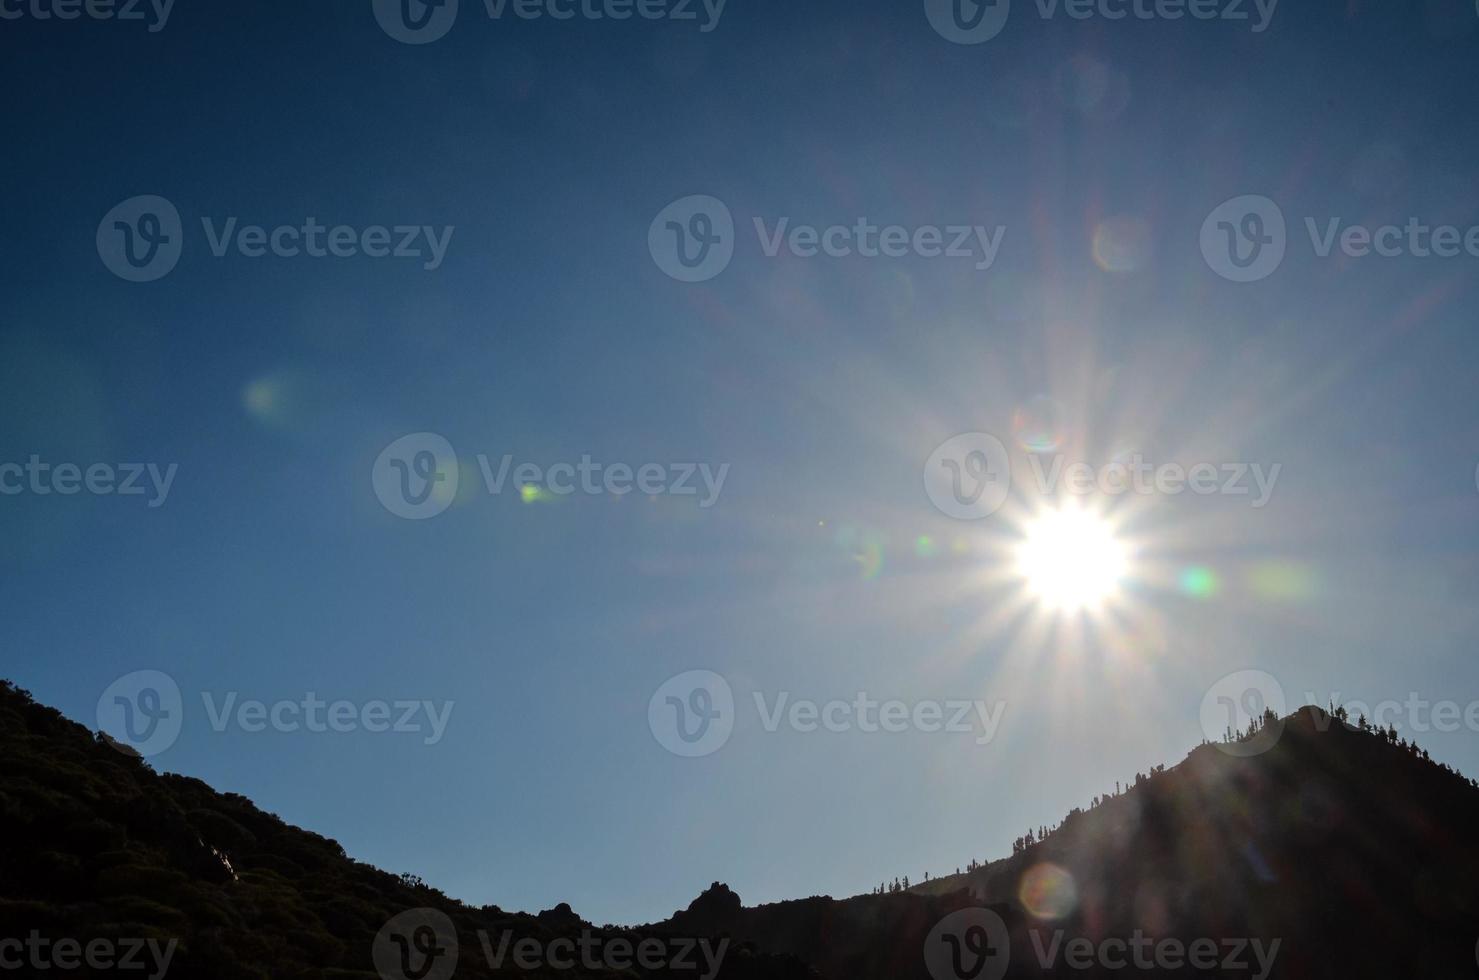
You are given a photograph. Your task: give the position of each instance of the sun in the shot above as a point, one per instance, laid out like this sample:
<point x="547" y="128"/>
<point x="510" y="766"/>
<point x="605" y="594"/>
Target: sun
<point x="1071" y="560"/>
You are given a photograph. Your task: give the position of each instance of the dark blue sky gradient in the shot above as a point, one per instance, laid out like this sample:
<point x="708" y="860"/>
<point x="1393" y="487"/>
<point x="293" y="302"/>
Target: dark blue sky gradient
<point x="550" y="333"/>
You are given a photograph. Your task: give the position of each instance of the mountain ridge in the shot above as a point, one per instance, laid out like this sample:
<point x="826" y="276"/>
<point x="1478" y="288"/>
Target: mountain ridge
<point x="1218" y="848"/>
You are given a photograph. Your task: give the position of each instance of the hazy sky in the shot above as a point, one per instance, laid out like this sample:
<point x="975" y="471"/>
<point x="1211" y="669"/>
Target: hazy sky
<point x="1091" y="310"/>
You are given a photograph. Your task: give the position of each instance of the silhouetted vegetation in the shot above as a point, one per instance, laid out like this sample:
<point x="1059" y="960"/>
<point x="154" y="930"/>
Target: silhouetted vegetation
<point x="1332" y="834"/>
<point x="99" y="845"/>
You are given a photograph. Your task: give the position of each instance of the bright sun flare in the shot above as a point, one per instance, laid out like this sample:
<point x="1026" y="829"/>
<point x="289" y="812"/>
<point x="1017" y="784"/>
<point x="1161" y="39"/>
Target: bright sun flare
<point x="1071" y="560"/>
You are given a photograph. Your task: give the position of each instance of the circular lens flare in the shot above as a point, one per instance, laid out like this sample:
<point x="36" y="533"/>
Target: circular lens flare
<point x="1071" y="559"/>
<point x="1048" y="891"/>
<point x="1037" y="425"/>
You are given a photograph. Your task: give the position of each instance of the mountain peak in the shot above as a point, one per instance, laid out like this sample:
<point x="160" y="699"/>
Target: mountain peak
<point x="1309" y="836"/>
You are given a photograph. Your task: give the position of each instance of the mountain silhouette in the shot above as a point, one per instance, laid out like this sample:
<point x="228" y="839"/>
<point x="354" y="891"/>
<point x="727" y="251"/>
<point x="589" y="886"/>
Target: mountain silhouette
<point x="99" y="847"/>
<point x="1316" y="849"/>
<point x="1352" y="851"/>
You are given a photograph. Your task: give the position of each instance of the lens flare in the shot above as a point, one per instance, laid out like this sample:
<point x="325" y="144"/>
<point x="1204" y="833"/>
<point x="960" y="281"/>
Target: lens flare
<point x="1122" y="244"/>
<point x="1282" y="581"/>
<point x="1048" y="891"/>
<point x="870" y="560"/>
<point x="531" y="494"/>
<point x="1037" y="426"/>
<point x="1199" y="582"/>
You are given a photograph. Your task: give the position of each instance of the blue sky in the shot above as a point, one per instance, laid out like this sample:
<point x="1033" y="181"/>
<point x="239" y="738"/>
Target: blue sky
<point x="549" y="332"/>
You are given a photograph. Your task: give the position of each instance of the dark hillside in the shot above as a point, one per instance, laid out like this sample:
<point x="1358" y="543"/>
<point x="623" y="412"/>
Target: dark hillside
<point x="1338" y="852"/>
<point x="100" y="847"/>
<point x="1356" y="853"/>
